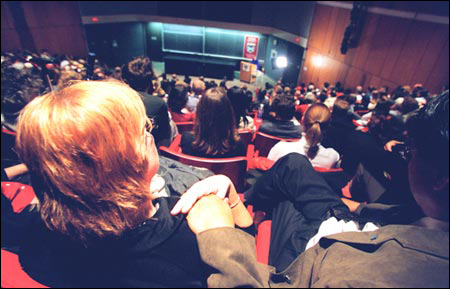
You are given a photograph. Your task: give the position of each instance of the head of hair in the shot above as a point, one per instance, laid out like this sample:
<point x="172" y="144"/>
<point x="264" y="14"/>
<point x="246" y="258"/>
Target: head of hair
<point x="198" y="87"/>
<point x="89" y="172"/>
<point x="341" y="108"/>
<point x="409" y="104"/>
<point x="215" y="124"/>
<point x="138" y="74"/>
<point x="67" y="77"/>
<point x="283" y="106"/>
<point x="178" y="97"/>
<point x="19" y="87"/>
<point x="239" y="102"/>
<point x="316" y="120"/>
<point x="428" y="132"/>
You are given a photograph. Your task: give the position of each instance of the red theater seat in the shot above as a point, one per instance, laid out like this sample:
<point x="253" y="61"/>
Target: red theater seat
<point x="19" y="194"/>
<point x="263" y="241"/>
<point x="184" y="126"/>
<point x="13" y="275"/>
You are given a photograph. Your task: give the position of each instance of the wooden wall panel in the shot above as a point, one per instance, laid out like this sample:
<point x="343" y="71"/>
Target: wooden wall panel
<point x="10" y="38"/>
<point x="54" y="25"/>
<point x="392" y="51"/>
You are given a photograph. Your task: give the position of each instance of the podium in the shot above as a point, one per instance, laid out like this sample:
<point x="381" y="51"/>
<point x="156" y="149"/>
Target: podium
<point x="248" y="72"/>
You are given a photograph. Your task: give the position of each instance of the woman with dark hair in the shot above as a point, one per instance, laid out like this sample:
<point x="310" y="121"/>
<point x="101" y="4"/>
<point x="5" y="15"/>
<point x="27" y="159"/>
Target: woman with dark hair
<point x="178" y="98"/>
<point x="215" y="134"/>
<point x="240" y="102"/>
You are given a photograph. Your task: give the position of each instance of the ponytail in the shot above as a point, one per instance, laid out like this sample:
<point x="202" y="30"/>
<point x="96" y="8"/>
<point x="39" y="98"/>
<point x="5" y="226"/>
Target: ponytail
<point x="316" y="119"/>
<point x="313" y="138"/>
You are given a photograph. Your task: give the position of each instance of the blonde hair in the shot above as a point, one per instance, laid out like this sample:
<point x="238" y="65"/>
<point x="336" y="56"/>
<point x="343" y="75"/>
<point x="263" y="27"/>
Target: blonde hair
<point x="317" y="117"/>
<point x="85" y="148"/>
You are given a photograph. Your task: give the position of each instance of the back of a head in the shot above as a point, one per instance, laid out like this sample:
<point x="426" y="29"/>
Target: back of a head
<point x="67" y="77"/>
<point x="238" y="101"/>
<point x="215" y="124"/>
<point x="138" y="73"/>
<point x="429" y="165"/>
<point x="178" y="98"/>
<point x="409" y="104"/>
<point x="341" y="108"/>
<point x="428" y="131"/>
<point x="89" y="170"/>
<point x="315" y="121"/>
<point x="284" y="107"/>
<point x="199" y="87"/>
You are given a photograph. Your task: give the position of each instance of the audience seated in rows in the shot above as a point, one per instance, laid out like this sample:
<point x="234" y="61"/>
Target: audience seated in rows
<point x="313" y="232"/>
<point x="215" y="134"/>
<point x="315" y="123"/>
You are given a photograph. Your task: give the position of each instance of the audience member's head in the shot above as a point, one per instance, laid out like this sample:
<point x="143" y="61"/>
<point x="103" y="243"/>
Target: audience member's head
<point x="239" y="102"/>
<point x="284" y="107"/>
<point x="340" y="109"/>
<point x="315" y="121"/>
<point x="198" y="87"/>
<point x="429" y="164"/>
<point x="178" y="97"/>
<point x="215" y="124"/>
<point x="310" y="98"/>
<point x="138" y="74"/>
<point x="409" y="104"/>
<point x="67" y="77"/>
<point x="93" y="171"/>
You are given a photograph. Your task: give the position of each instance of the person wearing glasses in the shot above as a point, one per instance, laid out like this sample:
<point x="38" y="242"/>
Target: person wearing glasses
<point x="327" y="247"/>
<point x="92" y="158"/>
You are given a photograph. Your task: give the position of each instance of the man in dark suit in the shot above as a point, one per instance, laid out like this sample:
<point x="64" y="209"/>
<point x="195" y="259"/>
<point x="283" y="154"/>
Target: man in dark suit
<point x="138" y="74"/>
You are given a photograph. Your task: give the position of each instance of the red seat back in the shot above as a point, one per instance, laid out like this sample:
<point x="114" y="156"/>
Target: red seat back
<point x="19" y="194"/>
<point x="13" y="275"/>
<point x="302" y="108"/>
<point x="361" y="112"/>
<point x="185" y="126"/>
<point x="263" y="241"/>
<point x="246" y="136"/>
<point x="264" y="143"/>
<point x="234" y="168"/>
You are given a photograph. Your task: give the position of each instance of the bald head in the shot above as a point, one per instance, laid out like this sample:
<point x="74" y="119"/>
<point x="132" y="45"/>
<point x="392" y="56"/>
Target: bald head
<point x="198" y="86"/>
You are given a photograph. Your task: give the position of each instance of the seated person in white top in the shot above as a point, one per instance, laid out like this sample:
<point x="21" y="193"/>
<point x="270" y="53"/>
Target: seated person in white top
<point x="315" y="122"/>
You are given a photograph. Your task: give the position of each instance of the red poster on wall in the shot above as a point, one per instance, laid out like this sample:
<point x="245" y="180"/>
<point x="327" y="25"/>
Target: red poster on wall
<point x="251" y="47"/>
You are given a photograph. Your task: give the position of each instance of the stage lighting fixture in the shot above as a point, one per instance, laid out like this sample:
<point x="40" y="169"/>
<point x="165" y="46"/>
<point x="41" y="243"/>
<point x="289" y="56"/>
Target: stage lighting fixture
<point x="281" y="62"/>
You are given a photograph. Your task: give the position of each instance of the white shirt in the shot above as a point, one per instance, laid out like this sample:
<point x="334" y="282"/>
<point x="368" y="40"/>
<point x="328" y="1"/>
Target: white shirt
<point x="332" y="226"/>
<point x="325" y="158"/>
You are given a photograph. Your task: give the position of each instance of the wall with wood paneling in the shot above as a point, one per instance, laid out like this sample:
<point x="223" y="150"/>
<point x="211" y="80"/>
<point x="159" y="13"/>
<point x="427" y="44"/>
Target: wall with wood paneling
<point x="392" y="51"/>
<point x="53" y="25"/>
